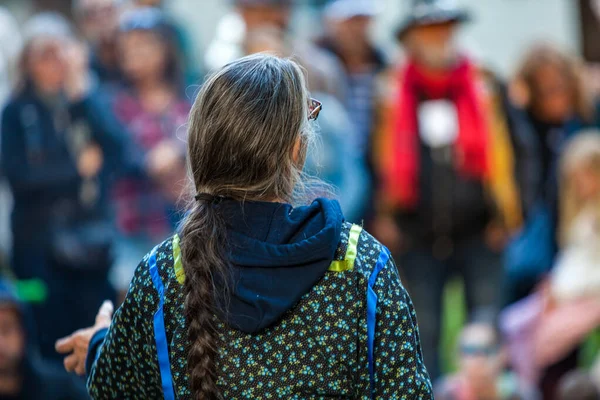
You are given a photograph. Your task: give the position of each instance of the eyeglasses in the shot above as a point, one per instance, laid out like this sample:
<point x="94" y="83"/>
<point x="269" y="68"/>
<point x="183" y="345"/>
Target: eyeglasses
<point x="314" y="109"/>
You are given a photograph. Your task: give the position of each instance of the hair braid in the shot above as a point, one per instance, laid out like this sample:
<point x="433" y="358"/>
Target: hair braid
<point x="202" y="248"/>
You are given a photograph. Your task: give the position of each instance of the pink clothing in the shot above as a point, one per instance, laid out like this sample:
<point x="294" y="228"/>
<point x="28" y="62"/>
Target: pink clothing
<point x="539" y="335"/>
<point x="140" y="206"/>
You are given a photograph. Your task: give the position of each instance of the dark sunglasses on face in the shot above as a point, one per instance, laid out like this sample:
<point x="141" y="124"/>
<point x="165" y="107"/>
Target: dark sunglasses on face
<point x="314" y="109"/>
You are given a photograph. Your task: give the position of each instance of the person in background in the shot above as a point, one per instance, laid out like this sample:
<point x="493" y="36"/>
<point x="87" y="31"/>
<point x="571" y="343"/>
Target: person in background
<point x="154" y="110"/>
<point x="60" y="146"/>
<point x="23" y="376"/>
<point x="482" y="371"/>
<point x="448" y="190"/>
<point x="572" y="297"/>
<point x="98" y="22"/>
<point x="547" y="328"/>
<point x="10" y="47"/>
<point x="549" y="86"/>
<point x="185" y="51"/>
<point x="258" y="298"/>
<point x="347" y="24"/>
<point x="325" y="72"/>
<point x="577" y="272"/>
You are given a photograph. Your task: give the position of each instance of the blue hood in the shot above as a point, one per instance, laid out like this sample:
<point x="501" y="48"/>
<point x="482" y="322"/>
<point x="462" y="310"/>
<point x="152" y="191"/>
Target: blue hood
<point x="278" y="253"/>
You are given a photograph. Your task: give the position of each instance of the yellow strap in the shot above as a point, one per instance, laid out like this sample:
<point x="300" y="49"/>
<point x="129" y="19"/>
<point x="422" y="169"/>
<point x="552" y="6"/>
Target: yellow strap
<point x="177" y="265"/>
<point x="347" y="264"/>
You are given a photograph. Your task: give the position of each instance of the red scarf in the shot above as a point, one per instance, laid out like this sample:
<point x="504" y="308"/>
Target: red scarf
<point x="471" y="156"/>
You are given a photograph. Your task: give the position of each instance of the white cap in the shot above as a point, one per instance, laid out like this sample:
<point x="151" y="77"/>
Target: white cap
<point x="340" y="10"/>
<point x="48" y="25"/>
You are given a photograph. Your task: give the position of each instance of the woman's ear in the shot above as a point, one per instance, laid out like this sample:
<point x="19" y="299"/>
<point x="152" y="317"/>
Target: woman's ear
<point x="297" y="151"/>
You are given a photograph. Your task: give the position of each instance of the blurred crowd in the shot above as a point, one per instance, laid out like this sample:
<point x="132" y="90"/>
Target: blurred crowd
<point x="459" y="172"/>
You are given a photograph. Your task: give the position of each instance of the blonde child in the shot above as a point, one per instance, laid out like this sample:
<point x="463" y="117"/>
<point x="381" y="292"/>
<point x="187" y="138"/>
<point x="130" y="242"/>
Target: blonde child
<point x="548" y="325"/>
<point x="577" y="271"/>
<point x="572" y="297"/>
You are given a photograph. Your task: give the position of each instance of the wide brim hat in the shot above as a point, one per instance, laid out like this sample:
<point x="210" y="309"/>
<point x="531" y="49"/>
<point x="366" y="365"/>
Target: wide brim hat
<point x="425" y="13"/>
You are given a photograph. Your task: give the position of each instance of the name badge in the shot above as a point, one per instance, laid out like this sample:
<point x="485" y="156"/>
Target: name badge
<point x="438" y="123"/>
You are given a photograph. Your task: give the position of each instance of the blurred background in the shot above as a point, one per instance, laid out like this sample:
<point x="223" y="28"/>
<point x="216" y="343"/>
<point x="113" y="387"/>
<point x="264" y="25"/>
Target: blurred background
<point x="462" y="134"/>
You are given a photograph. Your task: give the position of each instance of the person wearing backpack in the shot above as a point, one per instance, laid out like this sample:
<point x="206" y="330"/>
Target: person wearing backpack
<point x="254" y="297"/>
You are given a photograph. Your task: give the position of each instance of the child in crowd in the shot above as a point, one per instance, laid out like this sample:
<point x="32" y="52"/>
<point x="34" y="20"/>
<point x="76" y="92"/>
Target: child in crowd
<point x="482" y="373"/>
<point x="576" y="273"/>
<point x="572" y="295"/>
<point x="547" y="327"/>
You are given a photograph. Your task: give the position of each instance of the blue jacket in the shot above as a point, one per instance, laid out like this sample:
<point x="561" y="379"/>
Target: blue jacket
<point x="37" y="137"/>
<point x="36" y="157"/>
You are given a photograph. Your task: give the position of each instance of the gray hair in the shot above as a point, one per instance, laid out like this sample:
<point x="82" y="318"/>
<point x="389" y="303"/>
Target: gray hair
<point x="248" y="139"/>
<point x="244" y="127"/>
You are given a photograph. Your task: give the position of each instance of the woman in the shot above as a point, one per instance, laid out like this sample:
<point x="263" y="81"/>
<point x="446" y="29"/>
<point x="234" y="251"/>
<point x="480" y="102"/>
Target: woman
<point x="58" y="141"/>
<point x="260" y="299"/>
<point x="153" y="109"/>
<point x="549" y="86"/>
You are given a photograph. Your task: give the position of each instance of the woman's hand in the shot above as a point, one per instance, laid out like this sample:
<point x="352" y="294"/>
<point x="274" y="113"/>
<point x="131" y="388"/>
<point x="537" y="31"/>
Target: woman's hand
<point x="90" y="161"/>
<point x="76" y="345"/>
<point x="166" y="165"/>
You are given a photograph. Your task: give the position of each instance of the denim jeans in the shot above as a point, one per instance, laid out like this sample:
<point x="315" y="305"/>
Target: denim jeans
<point x="426" y="277"/>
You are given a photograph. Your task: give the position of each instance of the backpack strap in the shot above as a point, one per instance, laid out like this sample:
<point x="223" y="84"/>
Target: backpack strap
<point x="160" y="333"/>
<point x="177" y="264"/>
<point x="384" y="256"/>
<point x="347" y="264"/>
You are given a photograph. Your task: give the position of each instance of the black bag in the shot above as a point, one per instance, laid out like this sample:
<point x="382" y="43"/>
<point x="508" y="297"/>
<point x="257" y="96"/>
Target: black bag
<point x="82" y="240"/>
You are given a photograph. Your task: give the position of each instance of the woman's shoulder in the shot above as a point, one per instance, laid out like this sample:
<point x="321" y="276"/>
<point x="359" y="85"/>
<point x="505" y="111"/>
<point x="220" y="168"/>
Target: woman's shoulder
<point x="359" y="251"/>
<point x="165" y="258"/>
<point x="156" y="269"/>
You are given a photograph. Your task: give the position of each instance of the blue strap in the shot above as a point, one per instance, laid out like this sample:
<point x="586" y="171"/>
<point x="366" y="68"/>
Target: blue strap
<point x="384" y="256"/>
<point x="160" y="335"/>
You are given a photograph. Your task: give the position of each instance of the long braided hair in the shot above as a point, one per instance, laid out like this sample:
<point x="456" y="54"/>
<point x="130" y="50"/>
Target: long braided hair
<point x="248" y="137"/>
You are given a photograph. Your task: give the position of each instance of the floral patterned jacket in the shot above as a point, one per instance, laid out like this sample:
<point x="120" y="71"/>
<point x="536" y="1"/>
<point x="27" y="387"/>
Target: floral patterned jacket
<point x="319" y="349"/>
